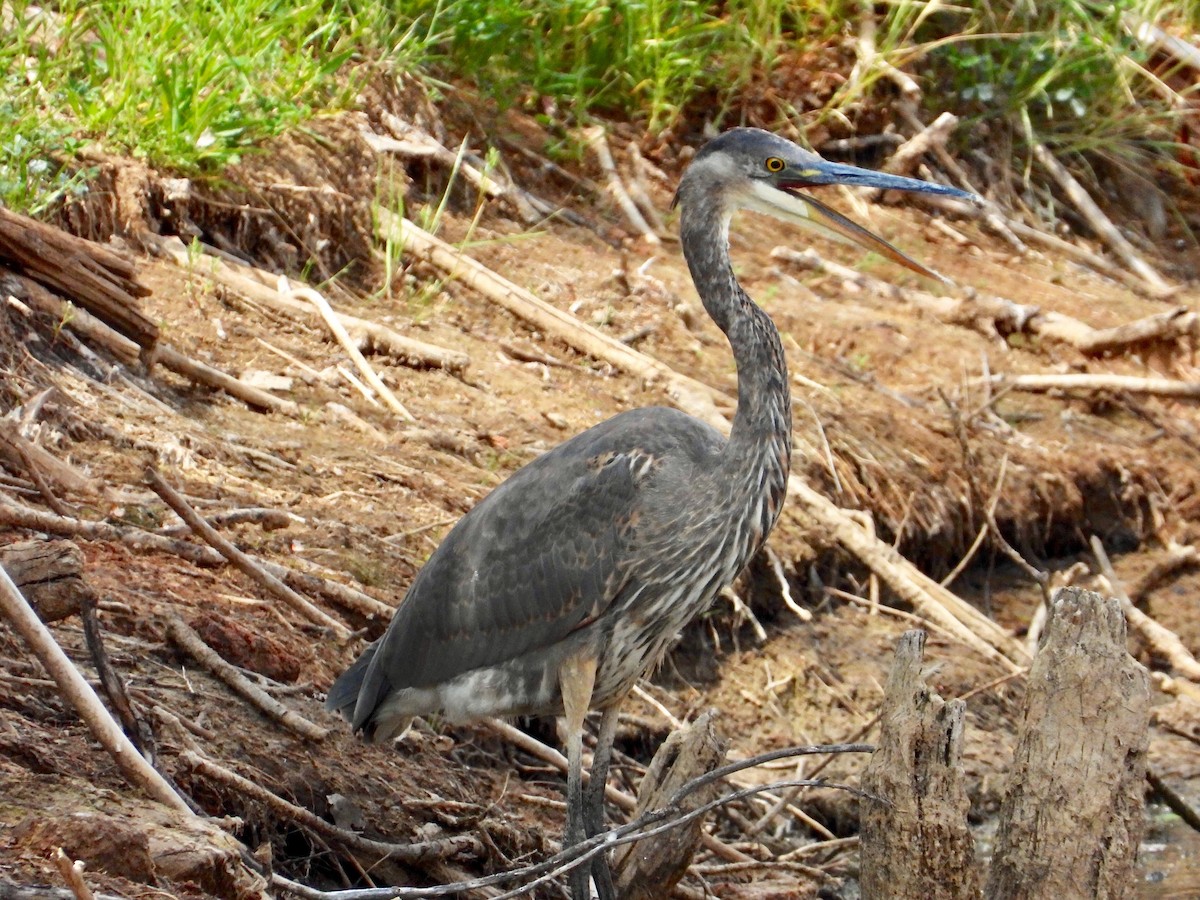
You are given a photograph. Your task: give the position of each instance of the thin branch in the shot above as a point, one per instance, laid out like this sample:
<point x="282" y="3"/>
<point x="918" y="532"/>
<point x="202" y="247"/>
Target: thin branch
<point x="241" y="560"/>
<point x="80" y="695"/>
<point x="187" y="639"/>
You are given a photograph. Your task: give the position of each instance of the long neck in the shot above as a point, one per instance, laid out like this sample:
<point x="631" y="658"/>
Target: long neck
<point x="758" y="453"/>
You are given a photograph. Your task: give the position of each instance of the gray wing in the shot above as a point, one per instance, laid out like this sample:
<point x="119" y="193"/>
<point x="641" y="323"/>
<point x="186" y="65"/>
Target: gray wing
<point x="542" y="555"/>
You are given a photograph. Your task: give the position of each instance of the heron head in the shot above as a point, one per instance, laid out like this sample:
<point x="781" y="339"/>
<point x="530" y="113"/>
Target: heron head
<point x="749" y="168"/>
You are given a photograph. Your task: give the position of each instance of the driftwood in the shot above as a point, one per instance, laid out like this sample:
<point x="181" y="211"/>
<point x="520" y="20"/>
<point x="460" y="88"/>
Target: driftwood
<point x="1100" y="223"/>
<point x="1163" y="387"/>
<point x="259" y="286"/>
<point x="915" y="839"/>
<point x="15" y="515"/>
<point x="652" y="867"/>
<point x="95" y="277"/>
<point x="49" y="574"/>
<point x="1072" y="816"/>
<point x="80" y="695"/>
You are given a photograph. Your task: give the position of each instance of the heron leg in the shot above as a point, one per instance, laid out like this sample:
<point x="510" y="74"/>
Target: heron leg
<point x="593" y="800"/>
<point x="576" y="679"/>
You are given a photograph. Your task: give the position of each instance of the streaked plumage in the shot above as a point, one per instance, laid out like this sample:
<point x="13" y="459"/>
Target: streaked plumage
<point x="603" y="548"/>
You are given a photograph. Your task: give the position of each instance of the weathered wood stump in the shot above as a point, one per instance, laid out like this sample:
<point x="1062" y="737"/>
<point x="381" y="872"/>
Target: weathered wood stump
<point x="49" y="574"/>
<point x="1072" y="818"/>
<point x="652" y="867"/>
<point x="915" y="839"/>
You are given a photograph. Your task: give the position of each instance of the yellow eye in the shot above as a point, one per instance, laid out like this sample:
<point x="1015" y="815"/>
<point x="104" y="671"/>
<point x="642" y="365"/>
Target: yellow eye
<point x="774" y="164"/>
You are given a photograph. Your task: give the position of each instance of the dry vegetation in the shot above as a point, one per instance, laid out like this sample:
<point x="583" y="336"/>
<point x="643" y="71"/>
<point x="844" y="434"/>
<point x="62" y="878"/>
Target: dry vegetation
<point x="915" y="430"/>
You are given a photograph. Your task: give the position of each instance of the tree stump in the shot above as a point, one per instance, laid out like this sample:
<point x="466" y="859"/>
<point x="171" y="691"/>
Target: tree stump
<point x="915" y="840"/>
<point x="652" y="867"/>
<point x="1072" y="819"/>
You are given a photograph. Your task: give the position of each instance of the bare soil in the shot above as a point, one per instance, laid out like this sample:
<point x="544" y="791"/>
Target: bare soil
<point x="891" y="419"/>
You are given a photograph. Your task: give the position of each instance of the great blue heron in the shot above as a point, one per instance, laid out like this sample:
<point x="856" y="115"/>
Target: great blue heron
<point x="569" y="581"/>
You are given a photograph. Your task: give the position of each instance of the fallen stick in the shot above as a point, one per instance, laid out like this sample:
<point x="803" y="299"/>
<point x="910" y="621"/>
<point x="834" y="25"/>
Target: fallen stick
<point x="415" y="853"/>
<point x="909" y="154"/>
<point x="1161" y="639"/>
<point x="1012" y="316"/>
<point x="341" y="594"/>
<point x="1163" y="387"/>
<point x="1084" y="256"/>
<point x="72" y="873"/>
<point x="190" y="642"/>
<point x="343" y="338"/>
<point x="594" y="135"/>
<point x="14" y="515"/>
<point x="257" y="285"/>
<point x="202" y="373"/>
<point x="690" y="395"/>
<point x="241" y="560"/>
<point x="1166" y="326"/>
<point x="1099" y="222"/>
<point x="80" y="695"/>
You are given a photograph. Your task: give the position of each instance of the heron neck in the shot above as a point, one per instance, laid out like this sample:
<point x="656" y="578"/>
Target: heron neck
<point x="760" y="440"/>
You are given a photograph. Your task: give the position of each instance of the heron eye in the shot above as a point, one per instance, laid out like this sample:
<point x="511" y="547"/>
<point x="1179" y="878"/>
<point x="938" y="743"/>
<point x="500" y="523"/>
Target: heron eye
<point x="774" y="164"/>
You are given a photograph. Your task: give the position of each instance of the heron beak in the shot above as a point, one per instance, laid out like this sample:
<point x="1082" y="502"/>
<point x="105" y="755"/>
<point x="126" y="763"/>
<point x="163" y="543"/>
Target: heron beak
<point x="815" y="215"/>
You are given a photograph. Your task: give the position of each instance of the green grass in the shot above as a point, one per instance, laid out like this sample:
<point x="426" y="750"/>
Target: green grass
<point x="192" y="87"/>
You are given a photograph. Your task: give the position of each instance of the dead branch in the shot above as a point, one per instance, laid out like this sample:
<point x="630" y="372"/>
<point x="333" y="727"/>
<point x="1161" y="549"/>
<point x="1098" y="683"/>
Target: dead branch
<point x="997" y="314"/>
<point x="202" y="373"/>
<point x="1100" y="223"/>
<point x="114" y="688"/>
<point x="72" y="873"/>
<point x="94" y="330"/>
<point x="258" y="286"/>
<point x="15" y="515"/>
<point x="1162" y="640"/>
<point x="415" y="853"/>
<point x="1168" y="326"/>
<point x="20" y="454"/>
<point x="343" y="338"/>
<point x="80" y="695"/>
<point x="241" y="560"/>
<point x="651" y="868"/>
<point x="341" y="594"/>
<point x="1163" y="387"/>
<point x="266" y="518"/>
<point x="598" y="143"/>
<point x="97" y="278"/>
<point x="11" y="891"/>
<point x="190" y="642"/>
<point x="909" y="154"/>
